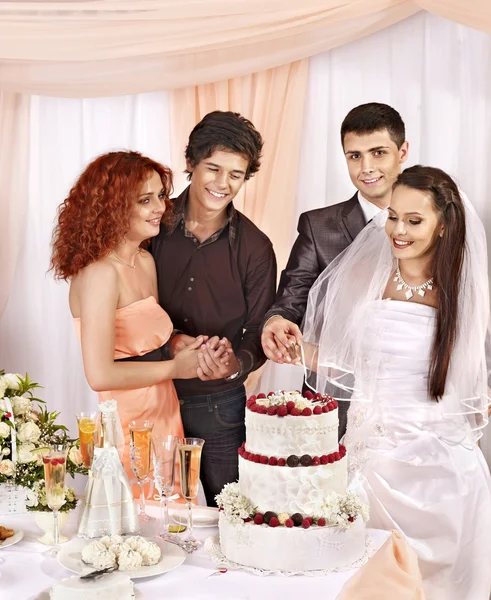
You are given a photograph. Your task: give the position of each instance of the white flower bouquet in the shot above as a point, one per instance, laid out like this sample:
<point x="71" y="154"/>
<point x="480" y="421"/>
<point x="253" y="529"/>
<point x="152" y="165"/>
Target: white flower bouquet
<point x="27" y="429"/>
<point x="236" y="508"/>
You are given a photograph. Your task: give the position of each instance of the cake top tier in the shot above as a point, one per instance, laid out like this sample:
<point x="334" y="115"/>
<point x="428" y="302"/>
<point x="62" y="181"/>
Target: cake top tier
<point x="294" y="404"/>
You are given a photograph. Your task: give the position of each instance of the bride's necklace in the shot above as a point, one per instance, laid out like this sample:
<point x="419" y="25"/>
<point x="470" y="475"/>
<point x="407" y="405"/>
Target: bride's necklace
<point x="410" y="290"/>
<point x="123" y="261"/>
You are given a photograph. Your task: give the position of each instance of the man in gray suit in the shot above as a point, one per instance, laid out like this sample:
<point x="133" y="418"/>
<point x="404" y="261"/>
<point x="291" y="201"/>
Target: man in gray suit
<point x="374" y="143"/>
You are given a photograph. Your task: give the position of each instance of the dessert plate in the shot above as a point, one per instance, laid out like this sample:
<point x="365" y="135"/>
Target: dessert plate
<point x="18" y="535"/>
<point x="44" y="595"/>
<point x="205" y="516"/>
<point x="70" y="557"/>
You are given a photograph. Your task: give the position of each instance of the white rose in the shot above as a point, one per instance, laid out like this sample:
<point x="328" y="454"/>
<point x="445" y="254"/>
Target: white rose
<point x="24" y="454"/>
<point x="28" y="432"/>
<point x="6" y="451"/>
<point x="12" y="381"/>
<point x="7" y="467"/>
<point x="3" y="402"/>
<point x="31" y="498"/>
<point x="4" y="430"/>
<point x="20" y="405"/>
<point x="75" y="456"/>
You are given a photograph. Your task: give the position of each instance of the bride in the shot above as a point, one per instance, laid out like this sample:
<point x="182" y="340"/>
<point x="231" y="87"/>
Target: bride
<point x="400" y="321"/>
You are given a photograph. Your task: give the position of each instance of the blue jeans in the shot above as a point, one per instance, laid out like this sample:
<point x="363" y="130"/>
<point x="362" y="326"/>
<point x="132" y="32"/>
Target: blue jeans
<point x="219" y="420"/>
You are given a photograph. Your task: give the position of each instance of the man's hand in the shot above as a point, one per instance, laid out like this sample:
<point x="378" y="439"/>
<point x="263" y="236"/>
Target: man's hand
<point x="217" y="360"/>
<point x="181" y="341"/>
<point x="277" y="339"/>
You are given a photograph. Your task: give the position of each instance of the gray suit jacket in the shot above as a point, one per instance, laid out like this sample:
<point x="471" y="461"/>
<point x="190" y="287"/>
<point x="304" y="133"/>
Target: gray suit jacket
<point x="322" y="235"/>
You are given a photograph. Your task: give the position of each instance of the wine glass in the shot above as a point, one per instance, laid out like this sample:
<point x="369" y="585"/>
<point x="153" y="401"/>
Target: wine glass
<point x="190" y="460"/>
<point x="140" y="456"/>
<point x="86" y="435"/>
<point x="164" y="471"/>
<point x="54" y="477"/>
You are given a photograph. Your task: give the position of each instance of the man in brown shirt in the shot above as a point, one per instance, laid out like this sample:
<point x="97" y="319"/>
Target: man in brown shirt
<point x="217" y="276"/>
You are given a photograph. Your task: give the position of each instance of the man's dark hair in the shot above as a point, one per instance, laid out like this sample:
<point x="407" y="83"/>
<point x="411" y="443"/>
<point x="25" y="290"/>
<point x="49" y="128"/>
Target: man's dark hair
<point x="367" y="118"/>
<point x="226" y="131"/>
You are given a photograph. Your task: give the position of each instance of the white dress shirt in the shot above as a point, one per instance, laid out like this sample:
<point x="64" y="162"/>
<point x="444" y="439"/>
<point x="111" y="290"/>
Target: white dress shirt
<point x="369" y="209"/>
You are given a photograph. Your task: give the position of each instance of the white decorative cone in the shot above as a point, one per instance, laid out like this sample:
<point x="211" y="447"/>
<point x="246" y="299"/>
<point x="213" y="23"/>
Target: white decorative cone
<point x="108" y="507"/>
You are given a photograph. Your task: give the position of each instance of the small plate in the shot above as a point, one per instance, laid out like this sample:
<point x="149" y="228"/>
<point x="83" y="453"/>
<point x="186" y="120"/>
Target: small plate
<point x="70" y="557"/>
<point x="44" y="595"/>
<point x="206" y="516"/>
<point x="18" y="535"/>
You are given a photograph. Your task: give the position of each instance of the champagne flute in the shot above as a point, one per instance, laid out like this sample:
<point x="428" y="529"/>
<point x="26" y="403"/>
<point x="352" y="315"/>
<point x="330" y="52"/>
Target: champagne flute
<point x="164" y="471"/>
<point x="54" y="478"/>
<point x="190" y="460"/>
<point x="140" y="456"/>
<point x="86" y="435"/>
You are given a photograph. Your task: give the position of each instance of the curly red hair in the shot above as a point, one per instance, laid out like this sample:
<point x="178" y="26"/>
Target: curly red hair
<point x="95" y="216"/>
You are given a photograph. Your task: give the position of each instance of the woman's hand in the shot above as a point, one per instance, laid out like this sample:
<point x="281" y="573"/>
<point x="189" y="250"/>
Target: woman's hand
<point x="181" y="341"/>
<point x="217" y="360"/>
<point x="186" y="361"/>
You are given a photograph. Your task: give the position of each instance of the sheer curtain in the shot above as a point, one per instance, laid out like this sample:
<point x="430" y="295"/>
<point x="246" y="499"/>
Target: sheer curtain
<point x="36" y="329"/>
<point x="437" y="74"/>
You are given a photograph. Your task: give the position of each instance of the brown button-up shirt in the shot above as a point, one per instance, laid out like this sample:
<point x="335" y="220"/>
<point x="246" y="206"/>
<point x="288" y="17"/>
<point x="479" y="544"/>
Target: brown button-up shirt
<point x="223" y="286"/>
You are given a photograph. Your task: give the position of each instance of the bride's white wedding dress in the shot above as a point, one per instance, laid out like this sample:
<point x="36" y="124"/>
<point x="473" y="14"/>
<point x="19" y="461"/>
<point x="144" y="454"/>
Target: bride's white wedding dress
<point x="419" y="469"/>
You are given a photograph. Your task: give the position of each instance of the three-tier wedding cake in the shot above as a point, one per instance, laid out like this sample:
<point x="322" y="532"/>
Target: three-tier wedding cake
<point x="290" y="510"/>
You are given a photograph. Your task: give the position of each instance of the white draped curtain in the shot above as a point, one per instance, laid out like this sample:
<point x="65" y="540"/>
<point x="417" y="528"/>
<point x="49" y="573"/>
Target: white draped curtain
<point x="435" y="72"/>
<point x="36" y="330"/>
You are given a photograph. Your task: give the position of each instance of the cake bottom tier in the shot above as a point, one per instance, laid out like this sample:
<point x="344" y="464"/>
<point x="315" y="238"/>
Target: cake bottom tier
<point x="292" y="549"/>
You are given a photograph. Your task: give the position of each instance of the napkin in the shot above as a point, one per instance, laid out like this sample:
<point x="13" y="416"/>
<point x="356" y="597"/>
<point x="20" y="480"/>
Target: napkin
<point x="391" y="573"/>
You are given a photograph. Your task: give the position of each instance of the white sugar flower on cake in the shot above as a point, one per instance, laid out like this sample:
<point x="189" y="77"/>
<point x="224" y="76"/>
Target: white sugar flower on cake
<point x="343" y="510"/>
<point x="235" y="506"/>
<point x="129" y="560"/>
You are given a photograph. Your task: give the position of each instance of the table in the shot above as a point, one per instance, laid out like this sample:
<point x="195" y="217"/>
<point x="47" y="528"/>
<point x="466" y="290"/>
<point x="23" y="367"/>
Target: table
<point x="25" y="572"/>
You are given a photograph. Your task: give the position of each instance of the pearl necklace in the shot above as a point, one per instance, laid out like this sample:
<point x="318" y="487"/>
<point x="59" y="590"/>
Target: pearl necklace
<point x="411" y="289"/>
<point x="124" y="262"/>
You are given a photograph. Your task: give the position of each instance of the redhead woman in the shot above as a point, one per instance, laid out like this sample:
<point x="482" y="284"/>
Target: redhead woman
<point x="116" y="205"/>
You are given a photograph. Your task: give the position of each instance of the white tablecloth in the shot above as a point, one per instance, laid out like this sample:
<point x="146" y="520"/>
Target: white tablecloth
<point x="25" y="572"/>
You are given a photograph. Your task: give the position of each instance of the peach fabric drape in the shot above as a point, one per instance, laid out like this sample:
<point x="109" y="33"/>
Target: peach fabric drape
<point x="476" y="13"/>
<point x="391" y="574"/>
<point x="14" y="138"/>
<point x="111" y="47"/>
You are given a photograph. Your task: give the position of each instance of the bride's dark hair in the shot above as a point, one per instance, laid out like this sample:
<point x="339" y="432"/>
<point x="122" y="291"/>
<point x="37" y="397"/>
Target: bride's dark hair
<point x="447" y="264"/>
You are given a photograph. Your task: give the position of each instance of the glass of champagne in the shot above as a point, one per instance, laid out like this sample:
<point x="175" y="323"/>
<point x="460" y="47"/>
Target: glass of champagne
<point x="190" y="460"/>
<point x="164" y="472"/>
<point x="140" y="457"/>
<point x="86" y="434"/>
<point x="54" y="478"/>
